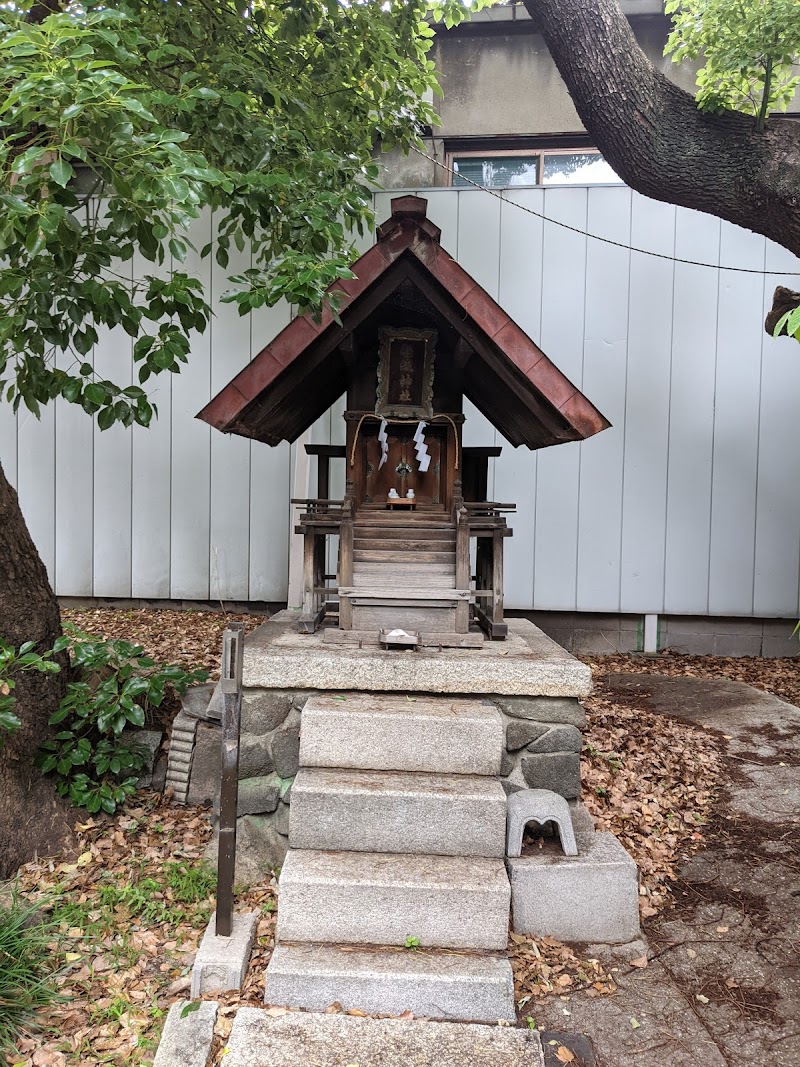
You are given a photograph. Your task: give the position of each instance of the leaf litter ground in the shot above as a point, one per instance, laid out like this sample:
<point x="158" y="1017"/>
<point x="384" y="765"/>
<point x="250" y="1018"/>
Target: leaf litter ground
<point x="134" y="902"/>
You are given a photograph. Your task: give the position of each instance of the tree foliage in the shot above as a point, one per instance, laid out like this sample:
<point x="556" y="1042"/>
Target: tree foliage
<point x="749" y="48"/>
<point x="119" y="126"/>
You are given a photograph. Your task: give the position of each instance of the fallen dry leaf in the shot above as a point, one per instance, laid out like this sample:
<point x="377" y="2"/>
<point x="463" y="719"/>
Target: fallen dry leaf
<point x="564" y="1055"/>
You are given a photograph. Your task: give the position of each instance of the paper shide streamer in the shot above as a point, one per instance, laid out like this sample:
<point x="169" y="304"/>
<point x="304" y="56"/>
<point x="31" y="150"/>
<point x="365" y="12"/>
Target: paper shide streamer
<point x="421" y="449"/>
<point x="384" y="443"/>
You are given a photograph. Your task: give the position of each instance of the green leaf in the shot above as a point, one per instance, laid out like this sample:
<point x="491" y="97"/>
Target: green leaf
<point x="61" y="172"/>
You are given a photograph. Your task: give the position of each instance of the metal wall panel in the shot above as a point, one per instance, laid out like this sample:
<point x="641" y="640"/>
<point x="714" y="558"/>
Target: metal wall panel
<point x="736" y="415"/>
<point x="691" y="430"/>
<point x="151" y="481"/>
<point x="646" y="451"/>
<point x="777" y="518"/>
<point x="555" y="533"/>
<point x="605" y="362"/>
<point x="688" y="505"/>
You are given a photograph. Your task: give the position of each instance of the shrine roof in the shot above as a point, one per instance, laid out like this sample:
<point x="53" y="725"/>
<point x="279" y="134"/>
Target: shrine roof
<point x="302" y="371"/>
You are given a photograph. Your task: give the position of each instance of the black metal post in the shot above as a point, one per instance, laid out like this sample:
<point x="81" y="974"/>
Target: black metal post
<point x="231" y="689"/>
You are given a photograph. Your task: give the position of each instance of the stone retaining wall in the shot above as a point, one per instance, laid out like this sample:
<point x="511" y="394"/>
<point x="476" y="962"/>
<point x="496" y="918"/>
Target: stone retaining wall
<point x="543" y="743"/>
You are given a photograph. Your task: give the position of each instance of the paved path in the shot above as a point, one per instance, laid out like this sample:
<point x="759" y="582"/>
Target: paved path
<point x="724" y="987"/>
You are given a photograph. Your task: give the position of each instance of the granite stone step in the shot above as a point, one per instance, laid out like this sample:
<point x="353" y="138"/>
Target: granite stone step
<point x="368" y="898"/>
<point x="308" y="1039"/>
<point x="386" y="732"/>
<point x="433" y="985"/>
<point x="398" y="811"/>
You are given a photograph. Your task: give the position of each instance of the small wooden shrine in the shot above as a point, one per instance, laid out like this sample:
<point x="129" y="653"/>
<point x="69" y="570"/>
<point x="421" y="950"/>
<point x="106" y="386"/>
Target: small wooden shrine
<point x="420" y="546"/>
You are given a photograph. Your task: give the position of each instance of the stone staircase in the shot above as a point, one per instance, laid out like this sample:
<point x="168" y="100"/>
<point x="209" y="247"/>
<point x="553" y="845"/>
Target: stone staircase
<point x="397" y="836"/>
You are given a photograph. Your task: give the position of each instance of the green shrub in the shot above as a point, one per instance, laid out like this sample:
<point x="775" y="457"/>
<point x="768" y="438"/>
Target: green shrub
<point x="26" y="972"/>
<point x="14" y="662"/>
<point x="94" y="765"/>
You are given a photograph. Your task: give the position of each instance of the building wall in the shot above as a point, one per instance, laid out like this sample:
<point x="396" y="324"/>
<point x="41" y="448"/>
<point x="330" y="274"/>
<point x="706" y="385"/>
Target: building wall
<point x="499" y="80"/>
<point x="688" y="506"/>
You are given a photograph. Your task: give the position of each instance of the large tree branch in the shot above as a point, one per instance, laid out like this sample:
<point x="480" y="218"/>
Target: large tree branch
<point x="42" y="9"/>
<point x="655" y="137"/>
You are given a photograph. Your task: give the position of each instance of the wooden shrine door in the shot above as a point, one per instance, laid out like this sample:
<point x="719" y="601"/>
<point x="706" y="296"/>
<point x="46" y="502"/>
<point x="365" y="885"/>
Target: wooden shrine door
<point x="401" y="469"/>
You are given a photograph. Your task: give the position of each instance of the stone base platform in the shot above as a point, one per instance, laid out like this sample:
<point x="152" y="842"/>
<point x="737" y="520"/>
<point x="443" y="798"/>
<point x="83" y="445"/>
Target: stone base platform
<point x="527" y="663"/>
<point x="433" y="710"/>
<point x="593" y="896"/>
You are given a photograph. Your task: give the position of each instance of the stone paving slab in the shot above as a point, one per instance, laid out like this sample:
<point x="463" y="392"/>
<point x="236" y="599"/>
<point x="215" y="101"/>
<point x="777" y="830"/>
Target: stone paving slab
<point x="398" y="811"/>
<point x="302" y="1039"/>
<point x="527" y="663"/>
<point x="433" y="985"/>
<point x="366" y="898"/>
<point x="386" y="733"/>
<point x="723" y="988"/>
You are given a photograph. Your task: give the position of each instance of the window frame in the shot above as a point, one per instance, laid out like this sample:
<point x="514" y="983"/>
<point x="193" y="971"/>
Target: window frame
<point x="452" y="155"/>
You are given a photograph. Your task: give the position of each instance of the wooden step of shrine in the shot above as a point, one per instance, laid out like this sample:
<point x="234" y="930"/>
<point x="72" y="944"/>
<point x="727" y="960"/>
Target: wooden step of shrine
<point x="403" y="528"/>
<point x="389" y="573"/>
<point x="373" y="554"/>
<point x="365" y="584"/>
<point x="395" y="545"/>
<point x="380" y="555"/>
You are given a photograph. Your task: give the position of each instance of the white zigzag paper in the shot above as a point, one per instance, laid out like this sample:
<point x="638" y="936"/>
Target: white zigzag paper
<point x="384" y="442"/>
<point x="421" y="449"/>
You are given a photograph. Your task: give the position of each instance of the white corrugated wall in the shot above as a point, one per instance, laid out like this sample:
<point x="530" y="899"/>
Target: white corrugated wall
<point x="690" y="504"/>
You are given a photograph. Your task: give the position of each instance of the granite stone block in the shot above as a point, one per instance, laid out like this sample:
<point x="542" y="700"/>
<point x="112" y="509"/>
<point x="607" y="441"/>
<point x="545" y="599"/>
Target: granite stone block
<point x="543" y="709"/>
<point x="259" y="849"/>
<point x="433" y="985"/>
<point x="221" y="962"/>
<point x="590" y="897"/>
<point x="559" y="771"/>
<point x="263" y="710"/>
<point x="186" y="1039"/>
<point x="206" y="764"/>
<point x="258" y="795"/>
<point x="148" y="742"/>
<point x="286" y="746"/>
<point x="557" y="739"/>
<point x="520" y="732"/>
<point x="281" y="820"/>
<point x="196" y="699"/>
<point x="307" y="1039"/>
<point x="379" y="732"/>
<point x="398" y="811"/>
<point x="277" y="656"/>
<point x="255" y="756"/>
<point x="380" y="899"/>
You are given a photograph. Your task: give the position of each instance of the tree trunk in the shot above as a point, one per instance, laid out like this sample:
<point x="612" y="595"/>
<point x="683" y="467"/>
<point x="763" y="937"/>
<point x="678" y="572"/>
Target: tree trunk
<point x="34" y="820"/>
<point x="657" y="139"/>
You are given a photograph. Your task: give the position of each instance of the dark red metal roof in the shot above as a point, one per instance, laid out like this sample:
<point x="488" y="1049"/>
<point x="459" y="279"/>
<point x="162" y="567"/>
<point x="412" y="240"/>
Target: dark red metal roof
<point x="300" y="373"/>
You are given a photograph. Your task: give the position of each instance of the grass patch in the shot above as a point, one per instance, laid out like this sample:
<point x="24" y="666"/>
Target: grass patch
<point x="26" y="971"/>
